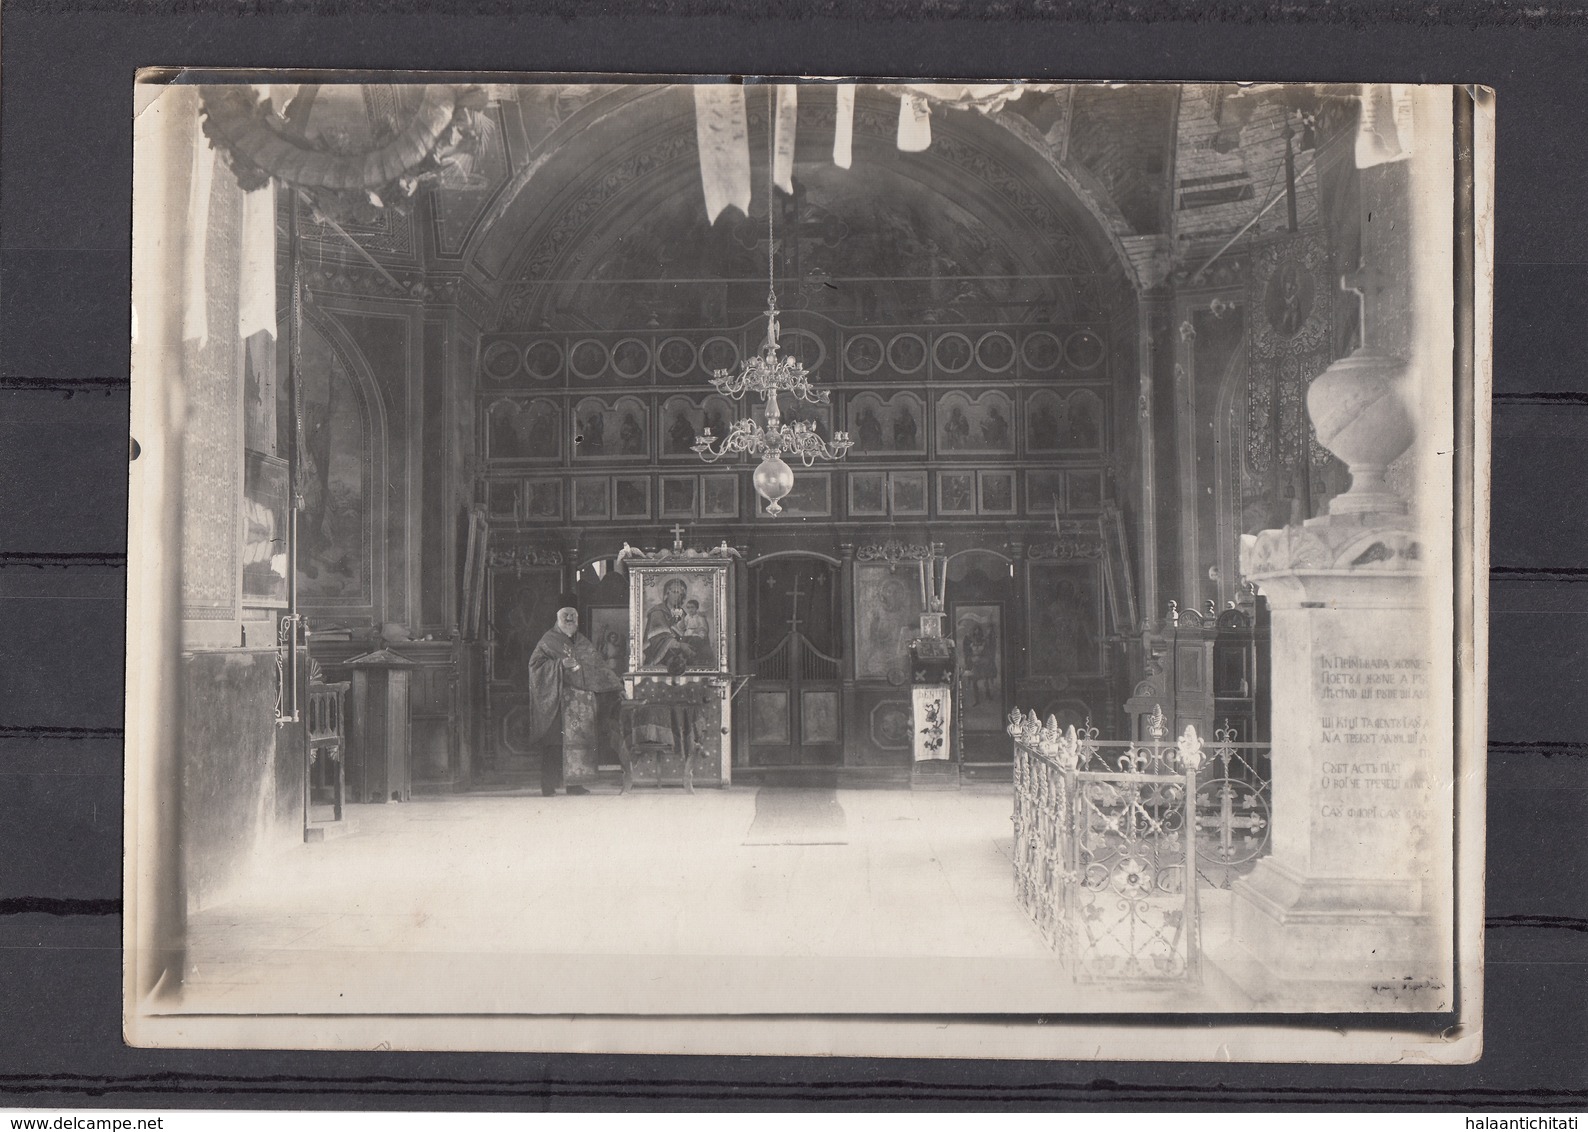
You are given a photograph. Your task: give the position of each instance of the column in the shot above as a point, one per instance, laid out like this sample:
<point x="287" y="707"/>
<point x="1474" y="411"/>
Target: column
<point x="1147" y="315"/>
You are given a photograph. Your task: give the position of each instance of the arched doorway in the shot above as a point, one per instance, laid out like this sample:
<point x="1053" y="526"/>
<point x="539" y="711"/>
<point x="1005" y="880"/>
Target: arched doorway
<point x="796" y="656"/>
<point x="983" y="614"/>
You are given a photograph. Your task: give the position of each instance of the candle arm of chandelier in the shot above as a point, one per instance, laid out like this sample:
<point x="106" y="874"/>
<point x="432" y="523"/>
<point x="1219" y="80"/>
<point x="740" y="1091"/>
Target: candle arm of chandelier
<point x="787" y="376"/>
<point x="798" y="439"/>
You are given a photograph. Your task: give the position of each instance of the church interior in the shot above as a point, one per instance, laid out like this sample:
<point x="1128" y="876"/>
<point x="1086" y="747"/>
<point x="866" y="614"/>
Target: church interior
<point x="453" y="358"/>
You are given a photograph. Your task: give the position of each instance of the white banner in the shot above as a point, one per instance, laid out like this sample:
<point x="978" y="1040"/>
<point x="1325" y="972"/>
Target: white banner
<point x="723" y="138"/>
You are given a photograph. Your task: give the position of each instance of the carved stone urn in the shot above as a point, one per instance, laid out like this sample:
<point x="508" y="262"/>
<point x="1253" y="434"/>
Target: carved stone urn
<point x="1358" y="408"/>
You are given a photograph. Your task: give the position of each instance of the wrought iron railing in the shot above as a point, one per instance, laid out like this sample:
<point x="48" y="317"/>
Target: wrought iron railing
<point x="1105" y="850"/>
<point x="1233" y="808"/>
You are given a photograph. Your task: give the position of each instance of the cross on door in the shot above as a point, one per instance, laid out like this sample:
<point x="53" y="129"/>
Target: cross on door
<point x="794" y="606"/>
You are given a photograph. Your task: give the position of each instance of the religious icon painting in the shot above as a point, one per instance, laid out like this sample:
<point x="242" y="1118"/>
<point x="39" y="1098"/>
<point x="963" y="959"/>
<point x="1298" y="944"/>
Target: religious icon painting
<point x="909" y="492"/>
<point x="811" y="497"/>
<point x="888" y="606"/>
<point x="1066" y="618"/>
<point x="975" y="425"/>
<point x="952" y="353"/>
<point x="818" y="416"/>
<point x="1083" y="421"/>
<point x="609" y="632"/>
<point x="678" y="618"/>
<point x="684" y="418"/>
<point x="996" y="492"/>
<point x="978" y="631"/>
<point x="1086" y="489"/>
<point x="619" y="430"/>
<point x="523" y="430"/>
<point x="501" y="498"/>
<point x="543" y="359"/>
<point x="769" y="718"/>
<point x="678" y="496"/>
<point x="1084" y="351"/>
<point x="681" y="424"/>
<point x="1044" y="420"/>
<point x="891" y="725"/>
<point x="1044" y="491"/>
<point x="887" y="426"/>
<point x="862" y="355"/>
<point x="676" y="359"/>
<point x="631" y="359"/>
<point x="501" y="361"/>
<point x="591" y="498"/>
<point x="719" y="496"/>
<point x="631" y="497"/>
<point x="956" y="493"/>
<point x="868" y="494"/>
<point x="542" y="499"/>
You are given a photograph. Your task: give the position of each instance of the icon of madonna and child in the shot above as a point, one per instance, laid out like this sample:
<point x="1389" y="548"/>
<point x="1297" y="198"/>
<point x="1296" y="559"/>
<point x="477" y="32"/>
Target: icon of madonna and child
<point x="679" y="633"/>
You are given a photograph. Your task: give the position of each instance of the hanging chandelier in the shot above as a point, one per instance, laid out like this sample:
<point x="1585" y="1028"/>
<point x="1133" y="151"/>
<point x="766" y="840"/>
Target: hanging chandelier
<point x="769" y="376"/>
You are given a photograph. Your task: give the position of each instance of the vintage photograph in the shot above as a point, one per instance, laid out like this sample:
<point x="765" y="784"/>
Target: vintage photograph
<point x="804" y="566"/>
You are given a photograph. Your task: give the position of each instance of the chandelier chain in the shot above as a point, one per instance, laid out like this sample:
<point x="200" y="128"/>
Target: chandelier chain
<point x="768" y="375"/>
<point x="771" y="277"/>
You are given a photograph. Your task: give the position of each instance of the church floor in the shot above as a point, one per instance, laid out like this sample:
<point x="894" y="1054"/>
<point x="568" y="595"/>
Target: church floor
<point x="740" y="900"/>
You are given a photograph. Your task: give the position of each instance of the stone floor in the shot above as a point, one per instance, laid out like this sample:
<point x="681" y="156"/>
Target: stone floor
<point x="731" y="901"/>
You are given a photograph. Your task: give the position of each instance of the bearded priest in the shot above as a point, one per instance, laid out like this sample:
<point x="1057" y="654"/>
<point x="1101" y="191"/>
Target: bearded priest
<point x="574" y="700"/>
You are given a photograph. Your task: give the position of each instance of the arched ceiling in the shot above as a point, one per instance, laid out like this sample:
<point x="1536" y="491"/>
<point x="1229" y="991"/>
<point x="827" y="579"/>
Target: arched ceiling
<point x="605" y="226"/>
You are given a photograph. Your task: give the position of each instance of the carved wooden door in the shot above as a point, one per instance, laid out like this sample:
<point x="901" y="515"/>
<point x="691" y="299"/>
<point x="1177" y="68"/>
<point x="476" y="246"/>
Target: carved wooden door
<point x="796" y="709"/>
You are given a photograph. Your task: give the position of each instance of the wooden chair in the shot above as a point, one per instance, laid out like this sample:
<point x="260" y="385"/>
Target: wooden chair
<point x="324" y="744"/>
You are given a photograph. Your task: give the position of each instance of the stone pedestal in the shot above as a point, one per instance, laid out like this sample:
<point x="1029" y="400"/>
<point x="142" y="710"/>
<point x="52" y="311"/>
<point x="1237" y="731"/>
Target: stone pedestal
<point x="1346" y="894"/>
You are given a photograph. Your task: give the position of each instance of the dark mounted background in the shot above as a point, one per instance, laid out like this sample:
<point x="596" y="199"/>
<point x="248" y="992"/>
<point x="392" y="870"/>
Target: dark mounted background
<point x="66" y="72"/>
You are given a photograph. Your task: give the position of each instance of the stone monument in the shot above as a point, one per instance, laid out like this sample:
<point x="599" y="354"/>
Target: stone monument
<point x="1352" y="900"/>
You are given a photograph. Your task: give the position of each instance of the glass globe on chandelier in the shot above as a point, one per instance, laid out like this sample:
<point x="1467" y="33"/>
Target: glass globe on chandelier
<point x="769" y="376"/>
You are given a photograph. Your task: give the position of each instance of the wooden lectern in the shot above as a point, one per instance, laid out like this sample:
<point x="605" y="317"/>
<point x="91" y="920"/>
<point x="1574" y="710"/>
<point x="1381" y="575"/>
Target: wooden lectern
<point x="379" y="741"/>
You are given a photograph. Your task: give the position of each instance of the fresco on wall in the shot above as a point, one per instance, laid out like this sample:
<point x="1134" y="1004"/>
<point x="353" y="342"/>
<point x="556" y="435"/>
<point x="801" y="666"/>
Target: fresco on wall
<point x="334" y="541"/>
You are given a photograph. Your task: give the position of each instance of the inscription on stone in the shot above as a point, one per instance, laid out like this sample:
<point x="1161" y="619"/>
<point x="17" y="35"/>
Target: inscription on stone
<point x="1374" y="741"/>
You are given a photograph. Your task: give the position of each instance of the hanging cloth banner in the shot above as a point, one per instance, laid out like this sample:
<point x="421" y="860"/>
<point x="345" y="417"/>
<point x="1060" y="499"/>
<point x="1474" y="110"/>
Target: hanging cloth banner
<point x="256" y="306"/>
<point x="844" y="127"/>
<point x="915" y="124"/>
<point x="723" y="138"/>
<point x="931" y="712"/>
<point x="1384" y="131"/>
<point x="195" y="296"/>
<point x="787" y="127"/>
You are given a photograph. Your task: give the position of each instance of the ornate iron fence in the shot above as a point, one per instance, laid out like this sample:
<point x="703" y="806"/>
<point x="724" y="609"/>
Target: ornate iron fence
<point x="1233" y="808"/>
<point x="1105" y="850"/>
